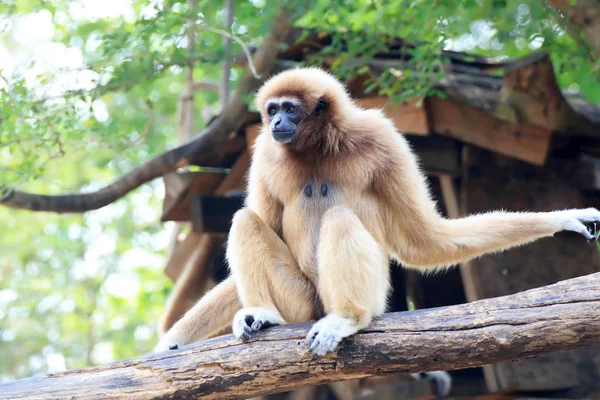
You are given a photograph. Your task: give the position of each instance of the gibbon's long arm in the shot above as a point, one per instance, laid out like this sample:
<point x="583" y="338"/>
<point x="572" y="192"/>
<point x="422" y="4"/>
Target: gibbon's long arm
<point x="418" y="236"/>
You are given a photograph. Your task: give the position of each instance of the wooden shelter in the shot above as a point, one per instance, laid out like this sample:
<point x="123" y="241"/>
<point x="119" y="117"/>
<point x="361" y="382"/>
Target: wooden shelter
<point x="503" y="135"/>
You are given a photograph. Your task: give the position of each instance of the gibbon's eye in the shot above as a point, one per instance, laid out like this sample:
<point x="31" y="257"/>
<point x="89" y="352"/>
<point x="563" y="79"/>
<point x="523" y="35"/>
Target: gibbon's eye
<point x="291" y="109"/>
<point x="272" y="110"/>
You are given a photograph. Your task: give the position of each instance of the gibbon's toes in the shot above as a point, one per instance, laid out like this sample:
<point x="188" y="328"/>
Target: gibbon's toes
<point x="253" y="319"/>
<point x="442" y="379"/>
<point x="325" y="335"/>
<point x="324" y="343"/>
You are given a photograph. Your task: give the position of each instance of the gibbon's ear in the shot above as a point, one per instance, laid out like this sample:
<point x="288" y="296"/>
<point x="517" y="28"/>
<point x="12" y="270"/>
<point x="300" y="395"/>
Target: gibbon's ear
<point x="321" y="106"/>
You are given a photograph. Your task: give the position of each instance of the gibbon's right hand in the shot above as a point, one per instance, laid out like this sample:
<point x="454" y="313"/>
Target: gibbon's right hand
<point x="575" y="220"/>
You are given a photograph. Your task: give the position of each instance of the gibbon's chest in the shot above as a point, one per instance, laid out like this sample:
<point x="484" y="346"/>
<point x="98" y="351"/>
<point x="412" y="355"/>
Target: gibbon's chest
<point x="307" y="191"/>
<point x="302" y="216"/>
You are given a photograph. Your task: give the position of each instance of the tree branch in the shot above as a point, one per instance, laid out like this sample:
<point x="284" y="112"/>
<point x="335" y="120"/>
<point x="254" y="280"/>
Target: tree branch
<point x="226" y="71"/>
<point x="559" y="317"/>
<point x="200" y="147"/>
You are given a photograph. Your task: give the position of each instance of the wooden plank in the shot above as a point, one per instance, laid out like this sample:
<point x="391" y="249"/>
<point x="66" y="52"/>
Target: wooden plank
<point x="179" y="186"/>
<point x="236" y="178"/>
<point x="407" y="117"/>
<point x="466" y="123"/>
<point x="437" y="154"/>
<point x="491" y="181"/>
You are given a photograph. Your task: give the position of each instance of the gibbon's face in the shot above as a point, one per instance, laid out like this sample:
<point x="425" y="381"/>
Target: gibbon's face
<point x="284" y="113"/>
<point x="285" y="116"/>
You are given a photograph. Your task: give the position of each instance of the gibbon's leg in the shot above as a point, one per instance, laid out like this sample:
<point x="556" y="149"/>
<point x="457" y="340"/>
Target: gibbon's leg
<point x="270" y="284"/>
<point x="210" y="315"/>
<point x="353" y="279"/>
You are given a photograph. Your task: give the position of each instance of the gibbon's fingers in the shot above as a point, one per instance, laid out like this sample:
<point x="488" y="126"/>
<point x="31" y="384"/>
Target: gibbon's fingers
<point x="251" y="319"/>
<point x="574" y="221"/>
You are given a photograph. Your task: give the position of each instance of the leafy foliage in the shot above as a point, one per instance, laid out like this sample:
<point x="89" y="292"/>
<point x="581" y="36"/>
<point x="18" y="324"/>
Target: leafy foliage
<point x="89" y="89"/>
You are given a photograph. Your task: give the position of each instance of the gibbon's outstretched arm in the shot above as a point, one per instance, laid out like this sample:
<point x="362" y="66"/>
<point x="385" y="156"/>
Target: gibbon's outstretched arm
<point x="418" y="236"/>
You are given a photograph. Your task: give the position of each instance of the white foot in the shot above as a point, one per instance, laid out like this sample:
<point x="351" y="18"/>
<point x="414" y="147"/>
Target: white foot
<point x="253" y="319"/>
<point x="328" y="332"/>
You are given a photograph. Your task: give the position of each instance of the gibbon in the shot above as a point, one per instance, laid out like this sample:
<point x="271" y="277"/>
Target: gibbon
<point x="334" y="192"/>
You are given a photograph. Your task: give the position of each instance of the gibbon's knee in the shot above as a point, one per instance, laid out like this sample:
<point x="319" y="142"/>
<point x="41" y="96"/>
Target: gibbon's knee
<point x="245" y="226"/>
<point x="342" y="221"/>
<point x="245" y="221"/>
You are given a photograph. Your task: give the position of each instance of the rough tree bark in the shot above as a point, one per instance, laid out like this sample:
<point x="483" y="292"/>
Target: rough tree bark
<point x="200" y="147"/>
<point x="558" y="317"/>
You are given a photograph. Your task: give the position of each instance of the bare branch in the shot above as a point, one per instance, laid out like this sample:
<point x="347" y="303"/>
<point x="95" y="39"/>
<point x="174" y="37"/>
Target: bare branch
<point x="186" y="101"/>
<point x="207" y="85"/>
<point x="240" y="42"/>
<point x="200" y="147"/>
<point x="559" y="317"/>
<point x="226" y="71"/>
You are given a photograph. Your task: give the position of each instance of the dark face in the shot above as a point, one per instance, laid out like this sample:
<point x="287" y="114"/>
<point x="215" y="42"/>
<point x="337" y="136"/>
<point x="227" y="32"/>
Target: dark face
<point x="284" y="117"/>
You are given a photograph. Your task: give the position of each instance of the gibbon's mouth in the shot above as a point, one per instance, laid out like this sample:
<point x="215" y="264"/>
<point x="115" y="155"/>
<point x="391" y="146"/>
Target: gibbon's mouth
<point x="284" y="136"/>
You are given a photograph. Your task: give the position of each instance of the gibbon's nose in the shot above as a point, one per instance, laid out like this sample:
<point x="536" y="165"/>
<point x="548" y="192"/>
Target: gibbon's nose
<point x="277" y="123"/>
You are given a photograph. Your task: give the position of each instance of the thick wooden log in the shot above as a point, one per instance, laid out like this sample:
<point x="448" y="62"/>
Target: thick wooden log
<point x="553" y="318"/>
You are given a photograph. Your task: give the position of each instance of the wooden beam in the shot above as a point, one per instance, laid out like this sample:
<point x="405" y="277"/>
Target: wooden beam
<point x="178" y="188"/>
<point x="468" y="124"/>
<point x="558" y="317"/>
<point x="407" y="117"/>
<point x="437" y="154"/>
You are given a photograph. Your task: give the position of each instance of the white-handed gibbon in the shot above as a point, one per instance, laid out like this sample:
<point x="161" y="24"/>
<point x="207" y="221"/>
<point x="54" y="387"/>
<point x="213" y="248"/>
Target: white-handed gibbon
<point x="334" y="191"/>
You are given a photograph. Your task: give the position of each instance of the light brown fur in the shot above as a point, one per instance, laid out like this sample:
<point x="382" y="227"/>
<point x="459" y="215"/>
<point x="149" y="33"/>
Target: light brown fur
<point x="294" y="257"/>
